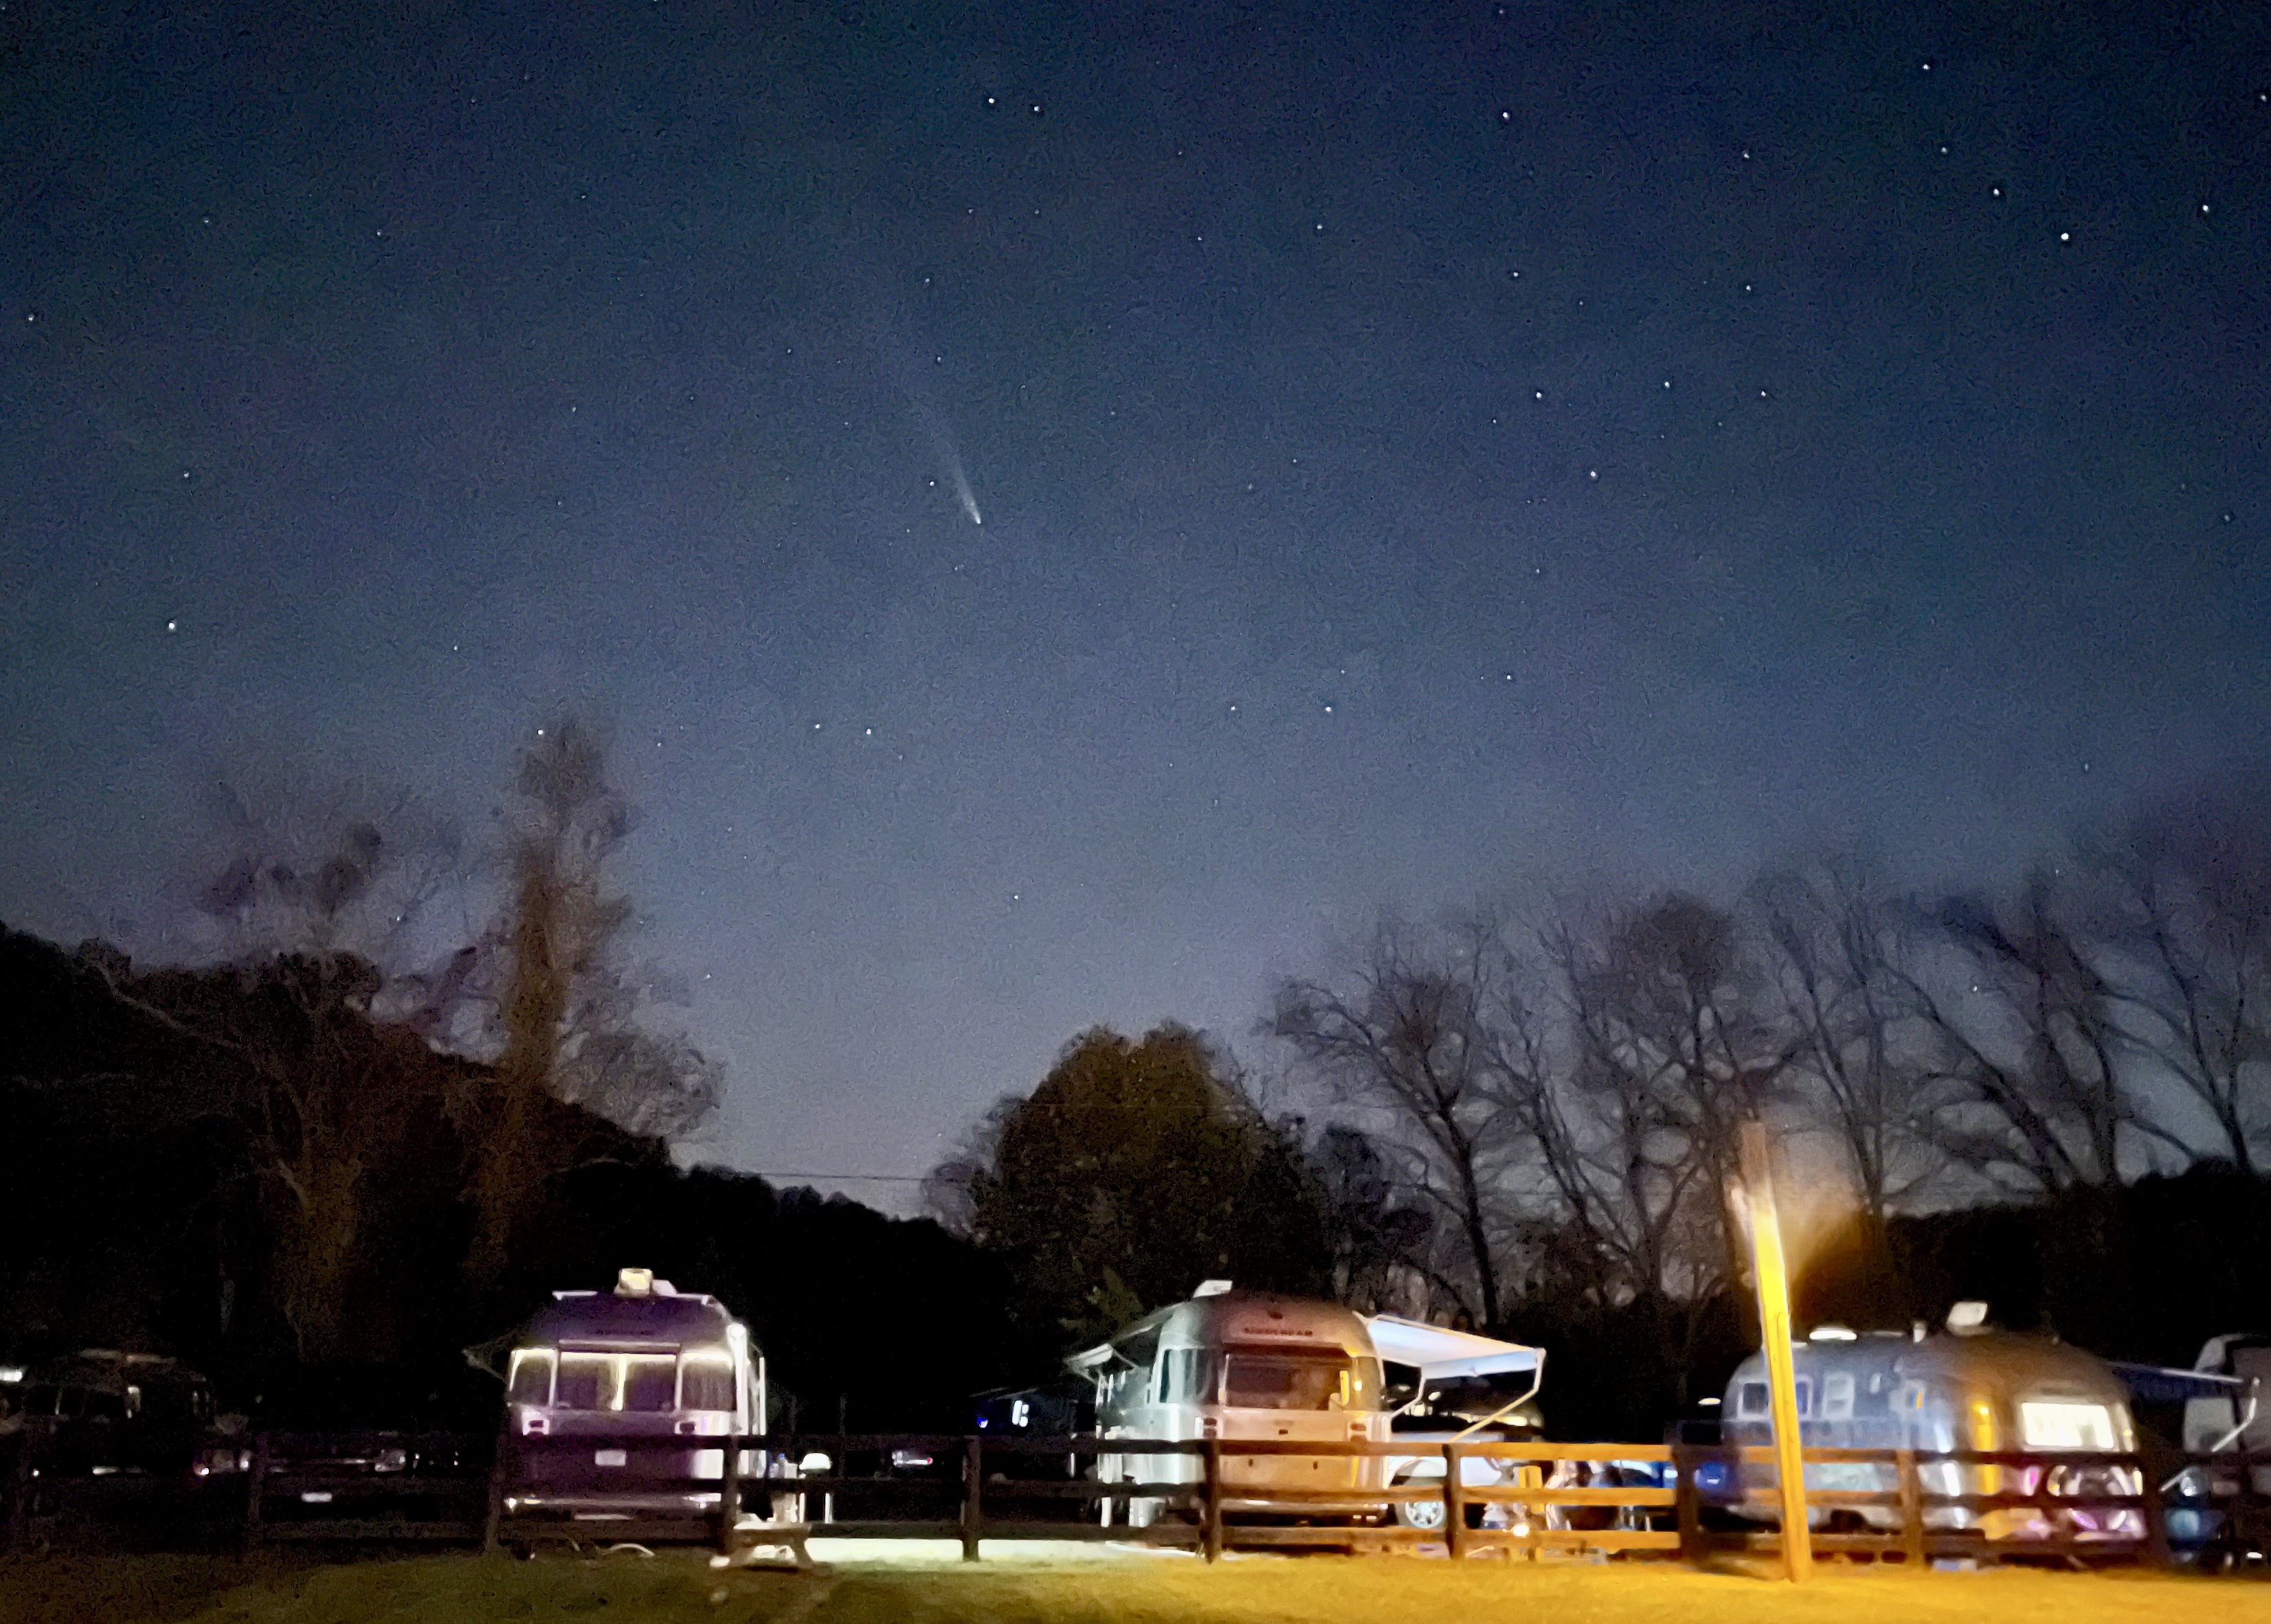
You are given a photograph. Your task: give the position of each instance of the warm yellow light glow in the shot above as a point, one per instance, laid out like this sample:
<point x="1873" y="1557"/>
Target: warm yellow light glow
<point x="1773" y="1282"/>
<point x="2053" y="1425"/>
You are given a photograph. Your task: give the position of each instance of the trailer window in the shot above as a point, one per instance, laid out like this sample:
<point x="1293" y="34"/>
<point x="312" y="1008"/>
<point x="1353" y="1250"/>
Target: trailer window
<point x="649" y="1382"/>
<point x="705" y="1384"/>
<point x="1753" y="1399"/>
<point x="2052" y="1425"/>
<point x="1837" y="1398"/>
<point x="1288" y="1381"/>
<point x="530" y="1381"/>
<point x="1185" y="1376"/>
<point x="104" y="1405"/>
<point x="586" y="1383"/>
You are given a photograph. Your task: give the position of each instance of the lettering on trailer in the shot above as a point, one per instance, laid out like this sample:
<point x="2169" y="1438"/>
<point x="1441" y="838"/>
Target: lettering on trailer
<point x="1257" y="1329"/>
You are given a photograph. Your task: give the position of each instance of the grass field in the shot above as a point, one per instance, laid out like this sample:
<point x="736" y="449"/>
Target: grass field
<point x="663" y="1589"/>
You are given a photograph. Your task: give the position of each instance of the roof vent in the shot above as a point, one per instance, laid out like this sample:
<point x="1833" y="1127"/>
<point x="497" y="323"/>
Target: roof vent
<point x="1832" y="1333"/>
<point x="1968" y="1318"/>
<point x="1211" y="1288"/>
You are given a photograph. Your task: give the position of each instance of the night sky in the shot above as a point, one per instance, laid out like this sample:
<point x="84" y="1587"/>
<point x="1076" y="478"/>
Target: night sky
<point x="1067" y="508"/>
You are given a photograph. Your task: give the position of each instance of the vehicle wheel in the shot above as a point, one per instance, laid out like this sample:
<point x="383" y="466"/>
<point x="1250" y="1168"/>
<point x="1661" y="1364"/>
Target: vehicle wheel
<point x="1423" y="1515"/>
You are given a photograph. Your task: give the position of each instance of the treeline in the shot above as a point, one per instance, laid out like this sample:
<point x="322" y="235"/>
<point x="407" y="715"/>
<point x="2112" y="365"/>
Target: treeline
<point x="317" y="1164"/>
<point x="315" y="1147"/>
<point x="2051" y="1095"/>
<point x="151" y="1200"/>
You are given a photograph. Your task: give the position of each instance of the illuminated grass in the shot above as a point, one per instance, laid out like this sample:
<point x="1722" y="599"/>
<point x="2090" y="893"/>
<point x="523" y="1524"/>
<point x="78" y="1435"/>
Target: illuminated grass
<point x="460" y="1590"/>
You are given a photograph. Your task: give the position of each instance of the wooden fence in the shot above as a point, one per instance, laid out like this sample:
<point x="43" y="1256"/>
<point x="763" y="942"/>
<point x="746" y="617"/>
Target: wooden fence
<point x="1673" y="1501"/>
<point x="966" y="1488"/>
<point x="1676" y="1500"/>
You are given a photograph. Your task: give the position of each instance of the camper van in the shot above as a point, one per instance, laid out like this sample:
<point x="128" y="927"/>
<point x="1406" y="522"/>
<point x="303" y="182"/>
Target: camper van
<point x="645" y="1361"/>
<point x="1969" y="1389"/>
<point x="1239" y="1365"/>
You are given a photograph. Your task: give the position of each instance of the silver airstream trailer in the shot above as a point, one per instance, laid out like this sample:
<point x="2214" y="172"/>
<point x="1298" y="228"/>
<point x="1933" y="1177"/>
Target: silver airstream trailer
<point x="642" y="1361"/>
<point x="1970" y="1390"/>
<point x="1239" y="1365"/>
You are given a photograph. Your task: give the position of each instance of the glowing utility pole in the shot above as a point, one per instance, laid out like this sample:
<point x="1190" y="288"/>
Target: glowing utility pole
<point x="1773" y="1278"/>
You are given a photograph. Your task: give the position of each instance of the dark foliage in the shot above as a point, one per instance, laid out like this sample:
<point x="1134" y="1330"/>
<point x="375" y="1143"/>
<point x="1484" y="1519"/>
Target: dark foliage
<point x="1135" y="1170"/>
<point x="142" y="1210"/>
<point x="2147" y="1270"/>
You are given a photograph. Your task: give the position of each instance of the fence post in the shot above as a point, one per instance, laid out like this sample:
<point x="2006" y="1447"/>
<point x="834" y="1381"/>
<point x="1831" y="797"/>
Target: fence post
<point x="1912" y="1493"/>
<point x="973" y="1478"/>
<point x="2156" y="1525"/>
<point x="1686" y="1506"/>
<point x="256" y="1487"/>
<point x="1455" y="1504"/>
<point x="729" y="1495"/>
<point x="493" y="1516"/>
<point x="15" y="1493"/>
<point x="1210" y="1539"/>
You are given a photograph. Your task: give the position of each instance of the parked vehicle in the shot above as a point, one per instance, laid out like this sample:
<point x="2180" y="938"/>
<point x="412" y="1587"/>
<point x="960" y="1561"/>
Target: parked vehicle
<point x="609" y="1370"/>
<point x="1445" y="1386"/>
<point x="2218" y="1509"/>
<point x="1248" y="1365"/>
<point x="109" y="1413"/>
<point x="1971" y="1389"/>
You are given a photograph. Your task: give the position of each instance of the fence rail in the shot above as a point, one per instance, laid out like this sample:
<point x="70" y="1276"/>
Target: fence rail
<point x="1465" y="1497"/>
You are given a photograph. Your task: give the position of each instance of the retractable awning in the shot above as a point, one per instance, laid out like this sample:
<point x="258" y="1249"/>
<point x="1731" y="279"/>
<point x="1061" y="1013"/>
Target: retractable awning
<point x="1442" y="1354"/>
<point x="2162" y="1385"/>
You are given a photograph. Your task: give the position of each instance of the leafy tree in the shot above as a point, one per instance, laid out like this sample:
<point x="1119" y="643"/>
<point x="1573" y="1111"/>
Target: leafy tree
<point x="1135" y="1170"/>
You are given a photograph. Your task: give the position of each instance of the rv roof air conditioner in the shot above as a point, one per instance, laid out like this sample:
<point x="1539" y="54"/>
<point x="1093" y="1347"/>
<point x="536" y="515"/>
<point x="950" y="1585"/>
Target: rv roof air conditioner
<point x="1968" y="1318"/>
<point x="642" y="1283"/>
<point x="1211" y="1288"/>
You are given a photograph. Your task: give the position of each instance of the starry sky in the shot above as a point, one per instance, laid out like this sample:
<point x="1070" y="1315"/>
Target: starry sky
<point x="1065" y="508"/>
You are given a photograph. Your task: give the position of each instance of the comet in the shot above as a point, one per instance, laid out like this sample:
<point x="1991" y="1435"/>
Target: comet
<point x="962" y="490"/>
<point x="915" y="390"/>
<point x="950" y="459"/>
